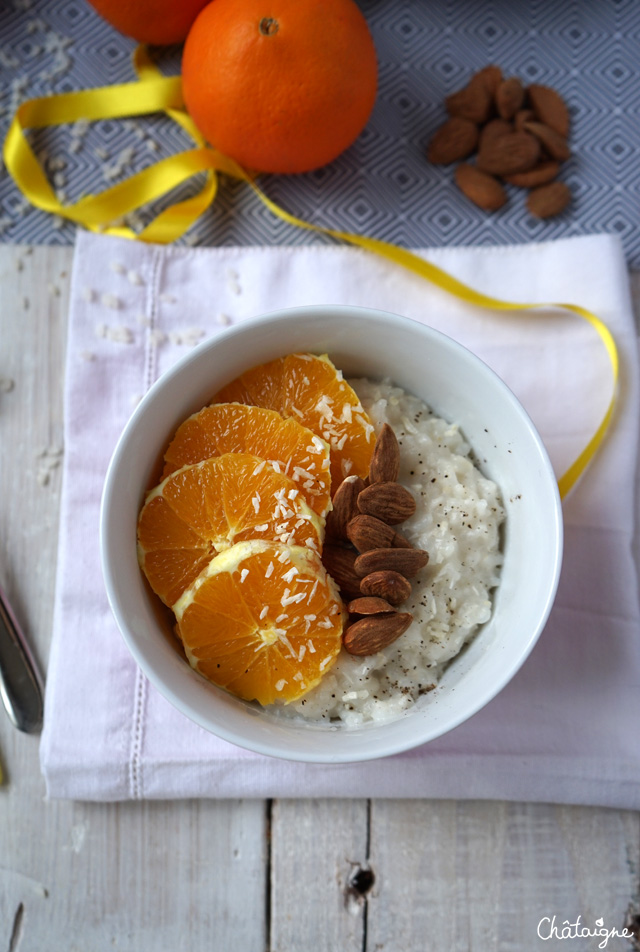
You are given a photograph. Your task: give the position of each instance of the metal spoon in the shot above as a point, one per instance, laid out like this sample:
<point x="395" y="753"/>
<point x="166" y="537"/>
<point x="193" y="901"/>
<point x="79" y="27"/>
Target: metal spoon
<point x="20" y="682"/>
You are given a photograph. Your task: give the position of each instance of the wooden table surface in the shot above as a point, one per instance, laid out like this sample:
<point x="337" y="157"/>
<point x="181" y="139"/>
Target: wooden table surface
<point x="251" y="875"/>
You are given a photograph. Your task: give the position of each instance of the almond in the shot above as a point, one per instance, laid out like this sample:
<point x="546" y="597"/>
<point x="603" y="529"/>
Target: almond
<point x="473" y="103"/>
<point x="370" y="635"/>
<point x="392" y="586"/>
<point x="550" y="108"/>
<point x="552" y="141"/>
<point x="522" y="116"/>
<point x="509" y="97"/>
<point x="339" y="562"/>
<point x="489" y="76"/>
<point x="483" y="190"/>
<point x="390" y="502"/>
<point x="453" y="141"/>
<point x="385" y="460"/>
<point x="540" y="175"/>
<point x="407" y="562"/>
<point x="517" y="152"/>
<point x="493" y="130"/>
<point x="367" y="532"/>
<point x="345" y="507"/>
<point x="548" y="200"/>
<point x="368" y="605"/>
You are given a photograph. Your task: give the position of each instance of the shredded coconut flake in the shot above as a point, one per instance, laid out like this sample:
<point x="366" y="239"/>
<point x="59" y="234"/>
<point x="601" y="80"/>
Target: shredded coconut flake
<point x="292" y="599"/>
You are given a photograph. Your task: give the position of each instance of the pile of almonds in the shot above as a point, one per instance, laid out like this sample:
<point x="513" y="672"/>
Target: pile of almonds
<point x="519" y="134"/>
<point x="368" y="559"/>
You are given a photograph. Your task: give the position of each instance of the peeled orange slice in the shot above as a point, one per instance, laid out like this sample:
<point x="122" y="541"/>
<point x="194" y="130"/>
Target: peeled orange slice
<point x="236" y="428"/>
<point x="263" y="620"/>
<point x="311" y="390"/>
<point x="202" y="509"/>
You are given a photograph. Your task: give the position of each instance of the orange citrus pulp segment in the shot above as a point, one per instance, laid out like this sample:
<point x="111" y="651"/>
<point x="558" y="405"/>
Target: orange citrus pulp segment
<point x="236" y="428"/>
<point x="202" y="509"/>
<point x="264" y="621"/>
<point x="310" y="389"/>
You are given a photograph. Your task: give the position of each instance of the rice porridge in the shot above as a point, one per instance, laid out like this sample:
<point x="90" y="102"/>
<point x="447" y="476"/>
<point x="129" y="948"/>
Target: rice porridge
<point x="457" y="520"/>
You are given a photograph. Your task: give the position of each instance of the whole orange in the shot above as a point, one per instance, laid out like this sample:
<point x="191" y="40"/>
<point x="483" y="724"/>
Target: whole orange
<point x="280" y="85"/>
<point x="159" y="22"/>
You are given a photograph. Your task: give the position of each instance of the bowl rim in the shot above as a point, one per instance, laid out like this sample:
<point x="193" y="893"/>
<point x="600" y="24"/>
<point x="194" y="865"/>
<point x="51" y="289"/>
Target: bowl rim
<point x="393" y="744"/>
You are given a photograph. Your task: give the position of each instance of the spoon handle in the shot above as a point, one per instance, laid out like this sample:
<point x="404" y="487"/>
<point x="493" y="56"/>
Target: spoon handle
<point x="20" y="684"/>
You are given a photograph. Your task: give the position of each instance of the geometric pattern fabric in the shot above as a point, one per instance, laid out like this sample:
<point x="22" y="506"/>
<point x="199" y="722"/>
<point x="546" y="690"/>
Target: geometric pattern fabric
<point x="382" y="186"/>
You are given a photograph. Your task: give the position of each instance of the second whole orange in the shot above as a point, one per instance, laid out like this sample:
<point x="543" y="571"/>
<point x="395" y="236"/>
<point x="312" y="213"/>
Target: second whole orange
<point x="282" y="86"/>
<point x="159" y="22"/>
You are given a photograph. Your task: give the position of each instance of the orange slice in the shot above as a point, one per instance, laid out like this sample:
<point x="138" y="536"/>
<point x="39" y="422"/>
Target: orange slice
<point x="311" y="390"/>
<point x="202" y="509"/>
<point x="235" y="428"/>
<point x="263" y="620"/>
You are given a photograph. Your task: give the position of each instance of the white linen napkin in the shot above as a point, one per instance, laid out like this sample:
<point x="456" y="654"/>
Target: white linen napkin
<point x="565" y="729"/>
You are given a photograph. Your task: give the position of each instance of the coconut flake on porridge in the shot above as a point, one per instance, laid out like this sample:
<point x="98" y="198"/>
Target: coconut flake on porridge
<point x="457" y="521"/>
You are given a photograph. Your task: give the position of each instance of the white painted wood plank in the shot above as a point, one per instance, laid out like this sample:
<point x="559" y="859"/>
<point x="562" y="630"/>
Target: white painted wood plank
<point x="149" y="876"/>
<point x="476" y="875"/>
<point x="316" y="848"/>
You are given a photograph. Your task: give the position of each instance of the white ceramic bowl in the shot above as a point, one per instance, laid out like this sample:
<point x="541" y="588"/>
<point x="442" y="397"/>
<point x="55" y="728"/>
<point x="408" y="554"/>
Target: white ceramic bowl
<point x="460" y="388"/>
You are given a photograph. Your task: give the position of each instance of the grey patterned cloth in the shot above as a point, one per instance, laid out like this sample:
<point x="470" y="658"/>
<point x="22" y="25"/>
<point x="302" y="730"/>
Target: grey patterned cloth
<point x="589" y="50"/>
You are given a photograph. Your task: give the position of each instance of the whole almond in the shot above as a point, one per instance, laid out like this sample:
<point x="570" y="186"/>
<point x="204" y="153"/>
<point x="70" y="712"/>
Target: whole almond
<point x="454" y="140"/>
<point x="368" y="605"/>
<point x="407" y="562"/>
<point x="367" y="532"/>
<point x="482" y="189"/>
<point x="548" y="200"/>
<point x="550" y="108"/>
<point x="517" y="152"/>
<point x="489" y="76"/>
<point x="494" y="129"/>
<point x="385" y="460"/>
<point x="370" y="635"/>
<point x="542" y="173"/>
<point x="391" y="586"/>
<point x="552" y="142"/>
<point x="522" y="116"/>
<point x="390" y="502"/>
<point x="339" y="563"/>
<point x="473" y="102"/>
<point x="509" y="97"/>
<point x="345" y="507"/>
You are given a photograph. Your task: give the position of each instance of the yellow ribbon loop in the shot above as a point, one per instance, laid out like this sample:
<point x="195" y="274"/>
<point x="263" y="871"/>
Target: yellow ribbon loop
<point x="154" y="92"/>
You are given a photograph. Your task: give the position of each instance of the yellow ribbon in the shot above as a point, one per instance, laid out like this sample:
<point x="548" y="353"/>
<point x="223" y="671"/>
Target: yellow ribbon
<point x="154" y="92"/>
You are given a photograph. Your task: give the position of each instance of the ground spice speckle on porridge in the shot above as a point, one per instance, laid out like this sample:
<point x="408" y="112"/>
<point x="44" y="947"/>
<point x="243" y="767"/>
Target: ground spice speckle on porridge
<point x="457" y="521"/>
